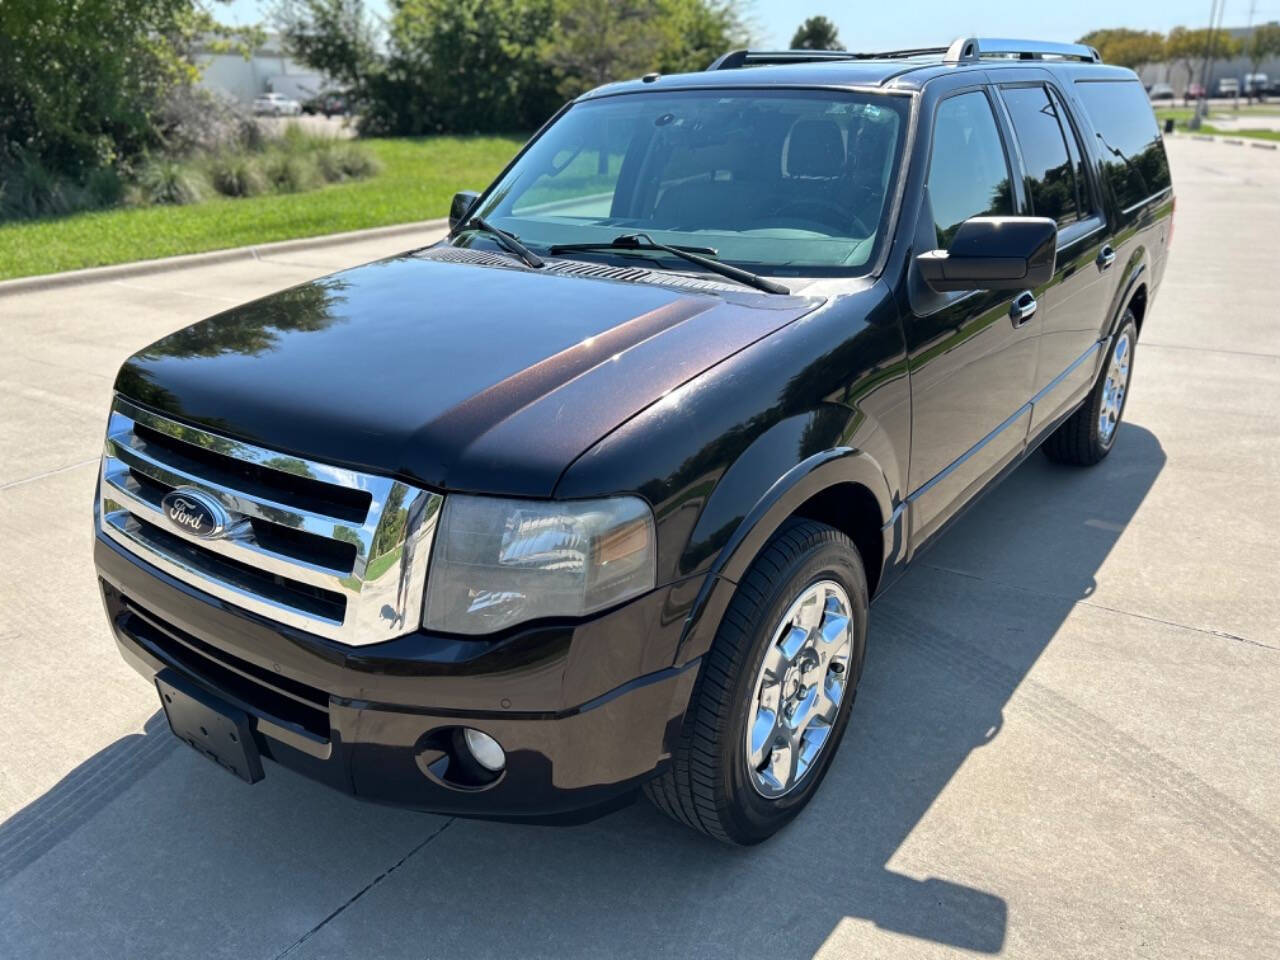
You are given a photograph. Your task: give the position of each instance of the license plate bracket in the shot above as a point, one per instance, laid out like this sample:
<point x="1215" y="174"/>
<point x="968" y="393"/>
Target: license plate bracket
<point x="213" y="727"/>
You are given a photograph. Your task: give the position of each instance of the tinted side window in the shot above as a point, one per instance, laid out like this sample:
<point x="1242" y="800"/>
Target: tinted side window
<point x="1088" y="199"/>
<point x="1051" y="182"/>
<point x="1133" y="158"/>
<point x="968" y="173"/>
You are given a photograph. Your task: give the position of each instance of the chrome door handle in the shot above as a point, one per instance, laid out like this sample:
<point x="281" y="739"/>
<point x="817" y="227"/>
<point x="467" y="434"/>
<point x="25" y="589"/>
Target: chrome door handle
<point x="1023" y="308"/>
<point x="1106" y="257"/>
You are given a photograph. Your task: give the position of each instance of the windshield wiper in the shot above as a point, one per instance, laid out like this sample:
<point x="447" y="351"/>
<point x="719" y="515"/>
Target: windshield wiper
<point x="642" y="241"/>
<point x="628" y="241"/>
<point x="509" y="242"/>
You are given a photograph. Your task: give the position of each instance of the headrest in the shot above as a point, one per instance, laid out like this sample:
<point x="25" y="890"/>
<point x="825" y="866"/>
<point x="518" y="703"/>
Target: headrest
<point x="815" y="148"/>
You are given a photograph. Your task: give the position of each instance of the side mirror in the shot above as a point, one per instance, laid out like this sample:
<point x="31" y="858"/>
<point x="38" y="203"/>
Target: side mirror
<point x="994" y="253"/>
<point x="462" y="203"/>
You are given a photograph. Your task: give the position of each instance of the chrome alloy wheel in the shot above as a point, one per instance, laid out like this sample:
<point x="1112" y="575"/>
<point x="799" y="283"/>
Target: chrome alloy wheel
<point x="1114" y="389"/>
<point x="799" y="689"/>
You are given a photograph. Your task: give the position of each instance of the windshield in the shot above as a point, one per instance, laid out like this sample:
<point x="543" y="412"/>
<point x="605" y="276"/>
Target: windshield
<point x="785" y="182"/>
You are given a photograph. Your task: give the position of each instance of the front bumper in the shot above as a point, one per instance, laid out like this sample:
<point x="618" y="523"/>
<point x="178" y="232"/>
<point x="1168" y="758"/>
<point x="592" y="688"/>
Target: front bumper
<point x="585" y="712"/>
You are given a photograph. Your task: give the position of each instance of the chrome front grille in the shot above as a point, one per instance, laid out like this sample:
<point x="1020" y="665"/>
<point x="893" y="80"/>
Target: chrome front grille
<point x="331" y="551"/>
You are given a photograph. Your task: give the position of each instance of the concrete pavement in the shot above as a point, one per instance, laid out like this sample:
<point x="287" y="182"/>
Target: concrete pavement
<point x="1067" y="743"/>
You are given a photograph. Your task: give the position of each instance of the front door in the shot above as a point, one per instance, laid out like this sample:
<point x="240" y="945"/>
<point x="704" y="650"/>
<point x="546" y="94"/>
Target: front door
<point x="971" y="359"/>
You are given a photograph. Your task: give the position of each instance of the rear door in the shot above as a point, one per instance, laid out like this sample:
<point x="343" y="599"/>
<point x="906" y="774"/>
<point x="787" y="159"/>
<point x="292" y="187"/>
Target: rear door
<point x="971" y="361"/>
<point x="1060" y="186"/>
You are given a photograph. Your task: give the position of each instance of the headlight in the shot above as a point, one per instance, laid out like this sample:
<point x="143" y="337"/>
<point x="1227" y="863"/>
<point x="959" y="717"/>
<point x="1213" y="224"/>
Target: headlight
<point x="499" y="562"/>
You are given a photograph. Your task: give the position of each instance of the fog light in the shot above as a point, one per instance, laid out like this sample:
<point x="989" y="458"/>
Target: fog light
<point x="485" y="749"/>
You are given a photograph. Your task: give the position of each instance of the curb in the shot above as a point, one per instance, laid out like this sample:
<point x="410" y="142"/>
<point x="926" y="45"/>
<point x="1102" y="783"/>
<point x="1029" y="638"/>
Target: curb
<point x="49" y="281"/>
<point x="1233" y="141"/>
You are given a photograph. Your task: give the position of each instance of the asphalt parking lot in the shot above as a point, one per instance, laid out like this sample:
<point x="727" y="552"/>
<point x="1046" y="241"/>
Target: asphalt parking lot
<point x="1067" y="743"/>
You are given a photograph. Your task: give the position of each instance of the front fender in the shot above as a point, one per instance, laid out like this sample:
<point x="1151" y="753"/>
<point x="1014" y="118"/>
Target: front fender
<point x="758" y="502"/>
<point x="759" y="491"/>
<point x="724" y="458"/>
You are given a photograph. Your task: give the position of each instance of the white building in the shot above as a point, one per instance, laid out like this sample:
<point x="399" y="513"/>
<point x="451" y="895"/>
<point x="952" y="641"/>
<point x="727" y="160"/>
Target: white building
<point x="269" y="70"/>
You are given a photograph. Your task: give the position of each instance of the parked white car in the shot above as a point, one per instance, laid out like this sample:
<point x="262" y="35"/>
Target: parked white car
<point x="277" y="105"/>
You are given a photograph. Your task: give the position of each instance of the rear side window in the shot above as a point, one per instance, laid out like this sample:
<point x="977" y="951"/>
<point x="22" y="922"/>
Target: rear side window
<point x="1133" y="158"/>
<point x="1051" y="181"/>
<point x="968" y="172"/>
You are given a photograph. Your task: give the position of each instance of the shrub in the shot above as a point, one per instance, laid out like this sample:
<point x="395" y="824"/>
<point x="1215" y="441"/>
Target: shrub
<point x="292" y="161"/>
<point x="104" y="187"/>
<point x="357" y="162"/>
<point x="252" y="136"/>
<point x="28" y="188"/>
<point x="236" y="174"/>
<point x="345" y="161"/>
<point x="165" y="180"/>
<point x="294" y="139"/>
<point x="288" y="172"/>
<point x="196" y="121"/>
<point x="329" y="164"/>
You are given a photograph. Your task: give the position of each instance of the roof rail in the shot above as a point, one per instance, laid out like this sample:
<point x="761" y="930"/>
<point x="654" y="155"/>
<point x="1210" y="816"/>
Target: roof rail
<point x="972" y="49"/>
<point x="759" y="58"/>
<point x="736" y="59"/>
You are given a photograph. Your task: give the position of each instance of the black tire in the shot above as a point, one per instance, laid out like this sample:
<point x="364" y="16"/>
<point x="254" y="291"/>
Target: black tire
<point x="1079" y="440"/>
<point x="707" y="785"/>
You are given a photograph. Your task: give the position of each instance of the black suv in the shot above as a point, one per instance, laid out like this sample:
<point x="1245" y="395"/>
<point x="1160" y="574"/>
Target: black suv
<point x="594" y="494"/>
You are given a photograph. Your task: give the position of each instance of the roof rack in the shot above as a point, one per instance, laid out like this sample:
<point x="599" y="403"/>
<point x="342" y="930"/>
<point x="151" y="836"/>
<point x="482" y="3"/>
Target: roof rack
<point x="972" y="49"/>
<point x="736" y="59"/>
<point x="963" y="50"/>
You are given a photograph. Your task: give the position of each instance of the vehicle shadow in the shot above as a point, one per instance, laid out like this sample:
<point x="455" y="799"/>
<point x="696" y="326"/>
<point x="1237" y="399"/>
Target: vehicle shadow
<point x="148" y="849"/>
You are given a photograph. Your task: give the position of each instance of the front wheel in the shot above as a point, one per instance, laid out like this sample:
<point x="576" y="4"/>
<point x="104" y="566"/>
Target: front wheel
<point x="775" y="691"/>
<point x="1088" y="435"/>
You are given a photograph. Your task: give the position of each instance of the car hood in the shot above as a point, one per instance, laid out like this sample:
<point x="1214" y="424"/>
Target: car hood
<point x="455" y="376"/>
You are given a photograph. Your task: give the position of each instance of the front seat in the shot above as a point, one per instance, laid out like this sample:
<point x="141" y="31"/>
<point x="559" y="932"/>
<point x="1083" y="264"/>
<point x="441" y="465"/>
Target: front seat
<point x="813" y="164"/>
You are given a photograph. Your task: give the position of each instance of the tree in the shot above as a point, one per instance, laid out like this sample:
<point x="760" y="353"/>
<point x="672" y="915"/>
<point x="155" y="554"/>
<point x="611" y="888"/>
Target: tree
<point x="83" y="85"/>
<point x="336" y="37"/>
<point x="598" y="41"/>
<point x="1186" y="48"/>
<point x="1262" y="44"/>
<point x="1127" y="48"/>
<point x="816" y="33"/>
<point x="465" y="66"/>
<point x="695" y="32"/>
<point x="1224" y="46"/>
<point x="498" y="65"/>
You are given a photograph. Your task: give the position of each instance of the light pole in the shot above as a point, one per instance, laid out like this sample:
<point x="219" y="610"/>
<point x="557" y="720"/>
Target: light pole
<point x="1202" y="104"/>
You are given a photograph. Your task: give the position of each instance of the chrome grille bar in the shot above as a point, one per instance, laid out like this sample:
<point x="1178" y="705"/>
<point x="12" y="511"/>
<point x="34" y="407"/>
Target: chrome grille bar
<point x="131" y="453"/>
<point x="364" y="587"/>
<point x="128" y="493"/>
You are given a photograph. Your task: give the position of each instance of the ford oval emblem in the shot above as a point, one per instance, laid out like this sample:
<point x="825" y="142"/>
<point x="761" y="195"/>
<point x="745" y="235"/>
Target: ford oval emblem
<point x="196" y="513"/>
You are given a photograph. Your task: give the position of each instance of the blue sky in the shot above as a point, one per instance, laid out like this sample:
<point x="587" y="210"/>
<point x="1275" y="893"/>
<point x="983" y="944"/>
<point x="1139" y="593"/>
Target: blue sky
<point x="877" y="26"/>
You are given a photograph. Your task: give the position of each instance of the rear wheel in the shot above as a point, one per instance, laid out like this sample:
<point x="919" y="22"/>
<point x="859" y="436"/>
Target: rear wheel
<point x="1088" y="435"/>
<point x="775" y="691"/>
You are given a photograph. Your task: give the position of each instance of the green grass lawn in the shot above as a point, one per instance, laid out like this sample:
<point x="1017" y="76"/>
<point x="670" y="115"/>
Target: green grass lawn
<point x="418" y="178"/>
<point x="1181" y="116"/>
<point x="1242" y="134"/>
<point x="380" y="565"/>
